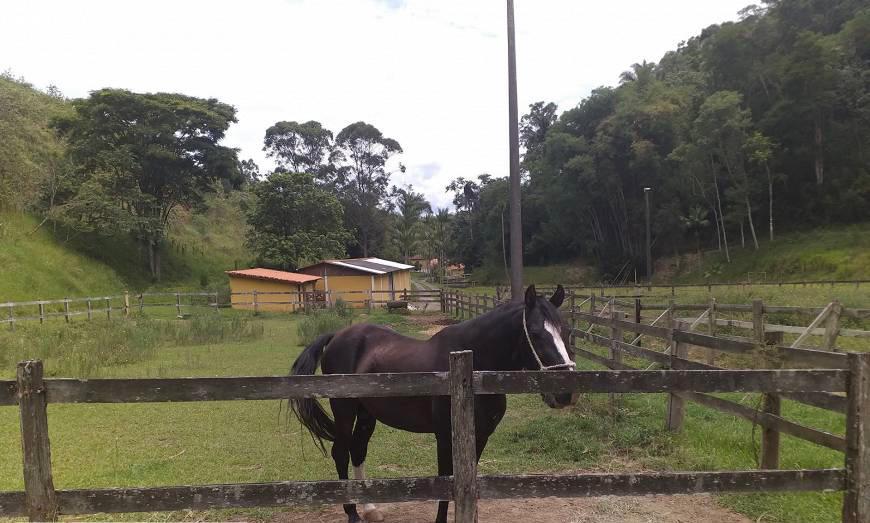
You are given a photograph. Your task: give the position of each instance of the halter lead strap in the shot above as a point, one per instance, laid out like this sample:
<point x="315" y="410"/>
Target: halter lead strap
<point x="535" y="353"/>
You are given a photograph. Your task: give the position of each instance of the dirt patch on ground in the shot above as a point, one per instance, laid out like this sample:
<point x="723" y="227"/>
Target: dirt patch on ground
<point x="430" y="324"/>
<point x="608" y="509"/>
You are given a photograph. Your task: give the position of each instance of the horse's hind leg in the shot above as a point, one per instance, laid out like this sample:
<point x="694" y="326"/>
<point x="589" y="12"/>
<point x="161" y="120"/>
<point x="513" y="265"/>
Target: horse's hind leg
<point x="362" y="433"/>
<point x="344" y="411"/>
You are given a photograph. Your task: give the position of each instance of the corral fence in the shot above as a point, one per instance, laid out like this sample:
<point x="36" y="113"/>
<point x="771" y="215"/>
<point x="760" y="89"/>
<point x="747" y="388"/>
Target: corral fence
<point x="41" y="501"/>
<point x="639" y="288"/>
<point x="93" y="307"/>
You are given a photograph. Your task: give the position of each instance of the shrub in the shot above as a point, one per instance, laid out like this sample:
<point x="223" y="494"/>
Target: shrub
<point x="320" y="322"/>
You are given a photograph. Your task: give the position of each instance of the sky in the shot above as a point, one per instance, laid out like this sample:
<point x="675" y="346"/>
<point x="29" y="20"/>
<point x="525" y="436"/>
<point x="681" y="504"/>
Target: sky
<point x="431" y="74"/>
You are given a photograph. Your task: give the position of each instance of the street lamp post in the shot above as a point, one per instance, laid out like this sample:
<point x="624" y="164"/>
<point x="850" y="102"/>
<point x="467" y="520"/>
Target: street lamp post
<point x="646" y="191"/>
<point x="516" y="227"/>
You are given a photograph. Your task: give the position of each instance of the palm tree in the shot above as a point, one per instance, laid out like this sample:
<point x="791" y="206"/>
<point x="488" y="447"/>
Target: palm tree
<point x="695" y="221"/>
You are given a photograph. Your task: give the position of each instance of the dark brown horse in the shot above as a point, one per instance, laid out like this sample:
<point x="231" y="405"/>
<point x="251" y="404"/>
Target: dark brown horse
<point x="529" y="335"/>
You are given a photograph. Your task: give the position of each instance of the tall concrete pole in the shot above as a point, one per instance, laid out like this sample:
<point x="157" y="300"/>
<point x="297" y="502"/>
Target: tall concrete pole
<point x="646" y="191"/>
<point x="516" y="228"/>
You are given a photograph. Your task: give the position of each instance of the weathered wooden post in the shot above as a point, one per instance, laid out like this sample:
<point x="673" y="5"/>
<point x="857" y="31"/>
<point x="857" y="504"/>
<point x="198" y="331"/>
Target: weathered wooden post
<point x="771" y="403"/>
<point x="178" y="304"/>
<point x="11" y="318"/>
<point x="637" y="315"/>
<point x="711" y="324"/>
<point x="464" y="445"/>
<point x="36" y="450"/>
<point x="370" y="297"/>
<point x="126" y="304"/>
<point x="832" y="326"/>
<point x="66" y="309"/>
<point x="615" y="352"/>
<point x="90" y="310"/>
<point x="592" y="303"/>
<point x="255" y="302"/>
<point x="573" y="317"/>
<point x="108" y="308"/>
<point x="41" y="313"/>
<point x="141" y="303"/>
<point x="676" y="404"/>
<point x="856" y="501"/>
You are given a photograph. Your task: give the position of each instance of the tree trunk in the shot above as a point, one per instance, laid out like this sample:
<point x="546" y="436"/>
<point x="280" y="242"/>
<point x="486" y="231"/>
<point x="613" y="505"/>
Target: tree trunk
<point x="769" y="198"/>
<point x="751" y="225"/>
<point x="742" y="237"/>
<point x="722" y="218"/>
<point x="153" y="257"/>
<point x="820" y="160"/>
<point x="718" y="229"/>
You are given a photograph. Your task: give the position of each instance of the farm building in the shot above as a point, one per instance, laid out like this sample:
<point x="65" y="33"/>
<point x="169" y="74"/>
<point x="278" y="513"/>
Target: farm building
<point x="267" y="282"/>
<point x="354" y="280"/>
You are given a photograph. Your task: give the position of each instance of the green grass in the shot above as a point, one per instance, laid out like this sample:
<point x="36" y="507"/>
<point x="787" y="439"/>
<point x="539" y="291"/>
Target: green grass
<point x="96" y="446"/>
<point x="49" y="264"/>
<point x="36" y="265"/>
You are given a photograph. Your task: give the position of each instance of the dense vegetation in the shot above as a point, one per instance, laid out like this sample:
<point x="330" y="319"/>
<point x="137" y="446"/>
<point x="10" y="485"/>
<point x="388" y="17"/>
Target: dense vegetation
<point x="749" y="129"/>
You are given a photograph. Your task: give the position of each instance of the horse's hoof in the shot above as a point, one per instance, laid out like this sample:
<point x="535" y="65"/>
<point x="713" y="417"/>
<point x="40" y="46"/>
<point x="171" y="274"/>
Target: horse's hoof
<point x="373" y="516"/>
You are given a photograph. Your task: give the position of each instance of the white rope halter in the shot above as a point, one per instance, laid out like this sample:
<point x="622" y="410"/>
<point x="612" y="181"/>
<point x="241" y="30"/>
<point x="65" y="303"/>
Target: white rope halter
<point x="535" y="353"/>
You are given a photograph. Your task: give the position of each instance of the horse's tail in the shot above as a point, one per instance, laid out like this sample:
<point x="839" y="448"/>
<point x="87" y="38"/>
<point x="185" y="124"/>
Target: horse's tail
<point x="308" y="410"/>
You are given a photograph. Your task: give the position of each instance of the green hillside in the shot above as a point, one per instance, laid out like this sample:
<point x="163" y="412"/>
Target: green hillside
<point x="49" y="264"/>
<point x="842" y="253"/>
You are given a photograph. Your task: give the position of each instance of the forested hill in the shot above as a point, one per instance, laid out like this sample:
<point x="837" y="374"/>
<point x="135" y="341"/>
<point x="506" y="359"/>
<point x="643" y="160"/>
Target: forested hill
<point x="747" y="130"/>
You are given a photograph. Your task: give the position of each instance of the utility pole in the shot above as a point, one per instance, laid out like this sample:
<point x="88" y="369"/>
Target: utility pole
<point x="646" y="191"/>
<point x="513" y="126"/>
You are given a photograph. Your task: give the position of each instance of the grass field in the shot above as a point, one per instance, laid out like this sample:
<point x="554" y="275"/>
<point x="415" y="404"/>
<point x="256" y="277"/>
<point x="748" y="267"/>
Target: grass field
<point x="213" y="442"/>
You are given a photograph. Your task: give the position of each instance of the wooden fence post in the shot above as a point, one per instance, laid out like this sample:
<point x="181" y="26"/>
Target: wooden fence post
<point x="832" y="326"/>
<point x="126" y="304"/>
<point x="108" y="308"/>
<point x="254" y="302"/>
<point x="711" y="323"/>
<point x="573" y="317"/>
<point x="771" y="403"/>
<point x="464" y="443"/>
<point x="637" y="315"/>
<point x="36" y="450"/>
<point x="615" y="353"/>
<point x="41" y="313"/>
<point x="676" y="404"/>
<point x="856" y="501"/>
<point x="11" y="318"/>
<point x="90" y="310"/>
<point x="66" y="309"/>
<point x="592" y="304"/>
<point x="178" y="304"/>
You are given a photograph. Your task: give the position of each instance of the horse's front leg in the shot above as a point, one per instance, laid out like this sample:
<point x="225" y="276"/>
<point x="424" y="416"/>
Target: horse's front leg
<point x="445" y="468"/>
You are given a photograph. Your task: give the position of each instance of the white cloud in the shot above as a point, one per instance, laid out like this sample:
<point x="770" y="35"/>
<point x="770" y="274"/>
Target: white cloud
<point x="430" y="74"/>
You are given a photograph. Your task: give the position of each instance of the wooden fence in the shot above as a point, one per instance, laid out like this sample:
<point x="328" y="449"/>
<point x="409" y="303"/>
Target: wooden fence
<point x="12" y="313"/>
<point x="641" y="288"/>
<point x="101" y="306"/>
<point x="678" y="337"/>
<point x="41" y="501"/>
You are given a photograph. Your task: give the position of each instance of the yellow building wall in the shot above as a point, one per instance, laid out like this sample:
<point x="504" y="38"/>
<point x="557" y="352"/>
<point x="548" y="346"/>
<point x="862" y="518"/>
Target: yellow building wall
<point x="264" y="301"/>
<point x="339" y="284"/>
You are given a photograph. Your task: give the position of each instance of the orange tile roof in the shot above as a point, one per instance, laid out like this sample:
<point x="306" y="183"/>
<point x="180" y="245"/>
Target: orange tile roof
<point x="271" y="274"/>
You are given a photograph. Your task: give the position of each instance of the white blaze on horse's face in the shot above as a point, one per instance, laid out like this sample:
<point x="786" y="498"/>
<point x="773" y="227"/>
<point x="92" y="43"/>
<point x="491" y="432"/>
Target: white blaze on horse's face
<point x="556" y="333"/>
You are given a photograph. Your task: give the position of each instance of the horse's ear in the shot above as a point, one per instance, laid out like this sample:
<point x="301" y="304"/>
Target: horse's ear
<point x="531" y="296"/>
<point x="558" y="297"/>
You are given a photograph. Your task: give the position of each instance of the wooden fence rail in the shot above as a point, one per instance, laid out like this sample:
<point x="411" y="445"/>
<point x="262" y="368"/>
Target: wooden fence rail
<point x="41" y="501"/>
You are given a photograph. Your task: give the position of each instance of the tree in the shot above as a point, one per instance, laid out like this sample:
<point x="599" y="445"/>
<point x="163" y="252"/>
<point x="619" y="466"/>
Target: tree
<point x="301" y="147"/>
<point x="138" y="157"/>
<point x="410" y="207"/>
<point x="362" y="179"/>
<point x="294" y="222"/>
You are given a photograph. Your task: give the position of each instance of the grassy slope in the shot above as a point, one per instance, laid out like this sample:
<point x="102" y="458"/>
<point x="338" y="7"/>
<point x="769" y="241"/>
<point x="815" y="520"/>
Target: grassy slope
<point x="44" y="265"/>
<point x="821" y="254"/>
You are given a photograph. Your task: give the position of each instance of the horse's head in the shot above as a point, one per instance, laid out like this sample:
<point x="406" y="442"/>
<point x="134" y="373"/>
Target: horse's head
<point x="543" y="346"/>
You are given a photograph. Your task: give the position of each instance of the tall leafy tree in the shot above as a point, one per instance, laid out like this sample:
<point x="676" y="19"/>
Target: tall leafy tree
<point x="410" y="208"/>
<point x="138" y="157"/>
<point x="294" y="221"/>
<point x="301" y="147"/>
<point x="363" y="181"/>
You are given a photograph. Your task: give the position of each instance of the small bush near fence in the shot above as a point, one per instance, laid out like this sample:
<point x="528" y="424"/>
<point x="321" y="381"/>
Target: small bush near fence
<point x="83" y="349"/>
<point x="315" y="323"/>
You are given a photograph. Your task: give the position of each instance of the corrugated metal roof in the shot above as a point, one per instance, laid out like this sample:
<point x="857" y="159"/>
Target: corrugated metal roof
<point x="273" y="275"/>
<point x="370" y="265"/>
